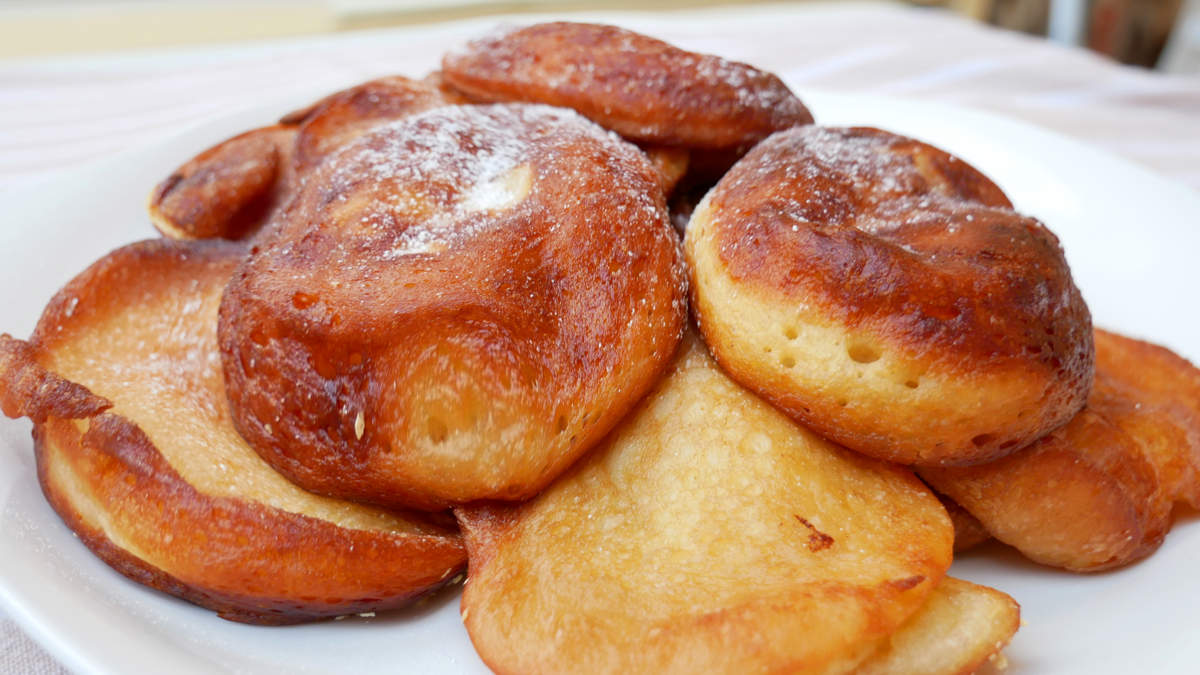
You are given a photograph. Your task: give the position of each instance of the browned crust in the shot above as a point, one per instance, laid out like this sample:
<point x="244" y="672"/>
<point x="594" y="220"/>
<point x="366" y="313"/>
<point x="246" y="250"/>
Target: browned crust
<point x="232" y="189"/>
<point x="892" y="238"/>
<point x="640" y="87"/>
<point x="996" y="289"/>
<point x="518" y="550"/>
<point x="246" y="560"/>
<point x="109" y="284"/>
<point x="1097" y="493"/>
<point x="28" y="390"/>
<point x="968" y="531"/>
<point x="701" y="643"/>
<point x="228" y="190"/>
<point x="563" y="308"/>
<point x="343" y="116"/>
<point x="1154" y="395"/>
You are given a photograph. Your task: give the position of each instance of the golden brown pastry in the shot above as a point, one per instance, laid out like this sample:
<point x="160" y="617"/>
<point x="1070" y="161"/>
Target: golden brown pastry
<point x="341" y="117"/>
<point x="642" y="88"/>
<point x="1097" y="493"/>
<point x="968" y="531"/>
<point x="959" y="628"/>
<point x="671" y="164"/>
<point x="457" y="306"/>
<point x="884" y="293"/>
<point x="230" y="190"/>
<point x="137" y="452"/>
<point x="708" y="533"/>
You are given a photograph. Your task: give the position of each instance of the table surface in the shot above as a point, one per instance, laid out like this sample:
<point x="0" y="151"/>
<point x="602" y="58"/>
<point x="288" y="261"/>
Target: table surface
<point x="61" y="113"/>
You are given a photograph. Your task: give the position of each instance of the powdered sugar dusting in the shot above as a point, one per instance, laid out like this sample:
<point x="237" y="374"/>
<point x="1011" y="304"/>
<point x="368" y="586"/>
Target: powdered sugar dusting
<point x="433" y="180"/>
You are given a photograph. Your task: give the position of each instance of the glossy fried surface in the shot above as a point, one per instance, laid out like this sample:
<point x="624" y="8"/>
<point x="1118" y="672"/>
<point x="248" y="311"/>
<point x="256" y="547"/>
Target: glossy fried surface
<point x="340" y="118"/>
<point x="708" y="533"/>
<point x="1097" y="493"/>
<point x="642" y="88"/>
<point x="960" y="627"/>
<point x="884" y="293"/>
<point x="156" y="481"/>
<point x="456" y="307"/>
<point x="230" y="190"/>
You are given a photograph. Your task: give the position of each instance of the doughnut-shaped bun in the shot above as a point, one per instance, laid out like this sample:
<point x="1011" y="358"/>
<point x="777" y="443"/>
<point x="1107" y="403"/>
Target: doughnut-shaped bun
<point x="885" y="294"/>
<point x="642" y="88"/>
<point x="137" y="453"/>
<point x="1099" y="492"/>
<point x="968" y="531"/>
<point x="707" y="534"/>
<point x="456" y="307"/>
<point x="230" y="190"/>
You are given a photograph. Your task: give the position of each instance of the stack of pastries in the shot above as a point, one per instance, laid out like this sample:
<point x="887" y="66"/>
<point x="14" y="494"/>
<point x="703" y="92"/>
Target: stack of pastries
<point x="431" y="327"/>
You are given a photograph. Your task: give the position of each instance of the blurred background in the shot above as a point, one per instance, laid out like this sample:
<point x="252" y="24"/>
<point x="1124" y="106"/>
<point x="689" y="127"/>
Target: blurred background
<point x="1162" y="34"/>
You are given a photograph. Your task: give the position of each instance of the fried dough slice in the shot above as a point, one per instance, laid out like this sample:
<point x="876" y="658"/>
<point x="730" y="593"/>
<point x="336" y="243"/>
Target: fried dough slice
<point x="884" y="293"/>
<point x="644" y="89"/>
<point x="1097" y="493"/>
<point x="708" y="533"/>
<point x="154" y="478"/>
<point x="959" y="627"/>
<point x="230" y="190"/>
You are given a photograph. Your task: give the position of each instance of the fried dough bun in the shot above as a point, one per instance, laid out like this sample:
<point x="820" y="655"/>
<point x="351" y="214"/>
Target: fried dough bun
<point x="456" y="307"/>
<point x="231" y="189"/>
<point x="1097" y="493"/>
<point x="885" y="294"/>
<point x="137" y="453"/>
<point x="708" y="533"/>
<point x="644" y="89"/>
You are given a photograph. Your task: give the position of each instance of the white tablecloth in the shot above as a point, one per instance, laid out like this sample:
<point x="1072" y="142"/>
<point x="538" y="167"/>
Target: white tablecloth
<point x="55" y="114"/>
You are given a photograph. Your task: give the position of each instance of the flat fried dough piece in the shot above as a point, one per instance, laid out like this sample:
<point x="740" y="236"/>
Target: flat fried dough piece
<point x="708" y="533"/>
<point x="968" y="531"/>
<point x="959" y="627"/>
<point x="1097" y="493"/>
<point x="884" y="293"/>
<point x="154" y="478"/>
<point x="230" y="190"/>
<point x="644" y="89"/>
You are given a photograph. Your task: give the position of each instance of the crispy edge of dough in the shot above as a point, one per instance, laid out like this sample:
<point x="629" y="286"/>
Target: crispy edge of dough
<point x="29" y="390"/>
<point x="959" y="627"/>
<point x="121" y="450"/>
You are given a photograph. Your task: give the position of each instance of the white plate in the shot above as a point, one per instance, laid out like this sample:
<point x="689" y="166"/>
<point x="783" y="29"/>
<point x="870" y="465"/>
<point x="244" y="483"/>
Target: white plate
<point x="1131" y="239"/>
